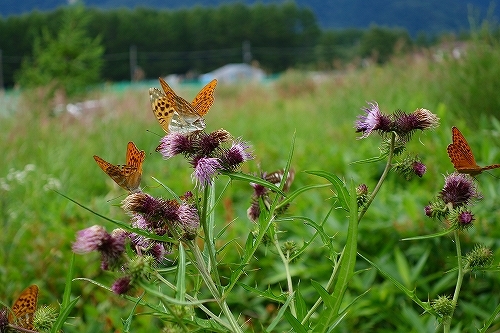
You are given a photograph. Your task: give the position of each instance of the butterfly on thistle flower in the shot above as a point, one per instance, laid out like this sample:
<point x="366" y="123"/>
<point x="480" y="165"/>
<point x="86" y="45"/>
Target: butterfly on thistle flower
<point x="461" y="155"/>
<point x="127" y="176"/>
<point x="24" y="308"/>
<point x="175" y="114"/>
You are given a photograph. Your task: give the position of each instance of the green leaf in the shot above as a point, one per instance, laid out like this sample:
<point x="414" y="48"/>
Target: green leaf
<point x="294" y="194"/>
<point x="280" y="314"/>
<point x="347" y="261"/>
<point x="328" y="300"/>
<point x="128" y="321"/>
<point x="66" y="304"/>
<point x="340" y="188"/>
<point x="296" y="325"/>
<point x="252" y="179"/>
<point x="409" y="293"/>
<point x="268" y="294"/>
<point x="490" y="320"/>
<point x="300" y="303"/>
<point x="181" y="274"/>
<point x="438" y="234"/>
<point x="403" y="267"/>
<point x="371" y="159"/>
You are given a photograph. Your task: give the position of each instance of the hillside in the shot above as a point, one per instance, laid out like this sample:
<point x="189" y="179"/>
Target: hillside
<point x="428" y="16"/>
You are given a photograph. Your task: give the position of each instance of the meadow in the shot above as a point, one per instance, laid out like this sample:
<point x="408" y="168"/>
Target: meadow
<point x="44" y="152"/>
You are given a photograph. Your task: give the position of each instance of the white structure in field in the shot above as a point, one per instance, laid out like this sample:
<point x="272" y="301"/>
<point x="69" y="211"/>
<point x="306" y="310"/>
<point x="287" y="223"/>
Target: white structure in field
<point x="232" y="73"/>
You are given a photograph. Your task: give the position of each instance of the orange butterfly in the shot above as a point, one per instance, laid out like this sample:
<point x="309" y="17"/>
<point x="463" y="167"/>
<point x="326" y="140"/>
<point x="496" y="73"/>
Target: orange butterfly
<point x="127" y="176"/>
<point x="461" y="155"/>
<point x="175" y="114"/>
<point x="24" y="308"/>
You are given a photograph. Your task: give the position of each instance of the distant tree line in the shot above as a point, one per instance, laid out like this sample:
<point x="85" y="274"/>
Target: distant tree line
<point x="198" y="39"/>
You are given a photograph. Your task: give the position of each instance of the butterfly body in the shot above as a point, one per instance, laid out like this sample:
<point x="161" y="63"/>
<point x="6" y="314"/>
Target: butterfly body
<point x="462" y="157"/>
<point x="127" y="176"/>
<point x="24" y="308"/>
<point x="175" y="114"/>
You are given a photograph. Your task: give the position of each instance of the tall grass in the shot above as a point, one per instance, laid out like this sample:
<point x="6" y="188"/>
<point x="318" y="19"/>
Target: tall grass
<point x="44" y="152"/>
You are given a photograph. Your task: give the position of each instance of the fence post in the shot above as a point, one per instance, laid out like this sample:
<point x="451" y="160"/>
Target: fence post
<point x="247" y="53"/>
<point x="133" y="61"/>
<point x="1" y="71"/>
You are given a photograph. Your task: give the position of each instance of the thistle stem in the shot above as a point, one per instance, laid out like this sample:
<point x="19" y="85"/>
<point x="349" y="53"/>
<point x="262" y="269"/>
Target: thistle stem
<point x="382" y="178"/>
<point x="286" y="262"/>
<point x="209" y="236"/>
<point x="207" y="278"/>
<point x="458" y="286"/>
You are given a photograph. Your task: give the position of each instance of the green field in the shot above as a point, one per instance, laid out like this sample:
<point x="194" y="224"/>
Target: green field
<point x="43" y="151"/>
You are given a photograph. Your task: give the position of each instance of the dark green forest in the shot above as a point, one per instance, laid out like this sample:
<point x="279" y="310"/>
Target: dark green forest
<point x="199" y="39"/>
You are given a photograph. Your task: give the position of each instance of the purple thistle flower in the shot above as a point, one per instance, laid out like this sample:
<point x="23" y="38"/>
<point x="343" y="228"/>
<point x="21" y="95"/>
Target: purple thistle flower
<point x="174" y="143"/>
<point x="420" y="119"/>
<point x="428" y="210"/>
<point x="188" y="217"/>
<point x="144" y="246"/>
<point x="90" y="239"/>
<point x="419" y="168"/>
<point x="237" y="154"/>
<point x="111" y="251"/>
<point x="372" y="121"/>
<point x="140" y="203"/>
<point x="156" y="211"/>
<point x="362" y="189"/>
<point x="425" y="119"/>
<point x="138" y="221"/>
<point x="465" y="219"/>
<point x="459" y="190"/>
<point x="158" y="251"/>
<point x="208" y="143"/>
<point x="205" y="169"/>
<point x="122" y="285"/>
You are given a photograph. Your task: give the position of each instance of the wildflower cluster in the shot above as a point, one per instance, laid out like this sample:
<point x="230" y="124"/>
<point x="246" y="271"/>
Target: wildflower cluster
<point x="208" y="153"/>
<point x="453" y="201"/>
<point x="402" y="125"/>
<point x="157" y="224"/>
<point x="167" y="219"/>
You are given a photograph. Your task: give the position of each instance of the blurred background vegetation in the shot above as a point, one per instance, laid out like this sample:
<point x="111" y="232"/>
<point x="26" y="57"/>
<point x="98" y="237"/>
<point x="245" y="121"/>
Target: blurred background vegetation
<point x="326" y="77"/>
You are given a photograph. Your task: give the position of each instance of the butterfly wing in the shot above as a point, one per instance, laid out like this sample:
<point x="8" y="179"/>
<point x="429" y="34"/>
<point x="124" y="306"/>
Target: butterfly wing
<point x="113" y="171"/>
<point x="461" y="155"/>
<point x="135" y="157"/>
<point x="24" y="308"/>
<point x="181" y="106"/>
<point x="132" y="171"/>
<point x="163" y="108"/>
<point x="276" y="178"/>
<point x="127" y="176"/>
<point x="205" y="98"/>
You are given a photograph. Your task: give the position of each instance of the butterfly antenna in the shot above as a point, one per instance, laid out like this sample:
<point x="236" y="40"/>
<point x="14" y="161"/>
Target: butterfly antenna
<point x="154" y="133"/>
<point x="113" y="199"/>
